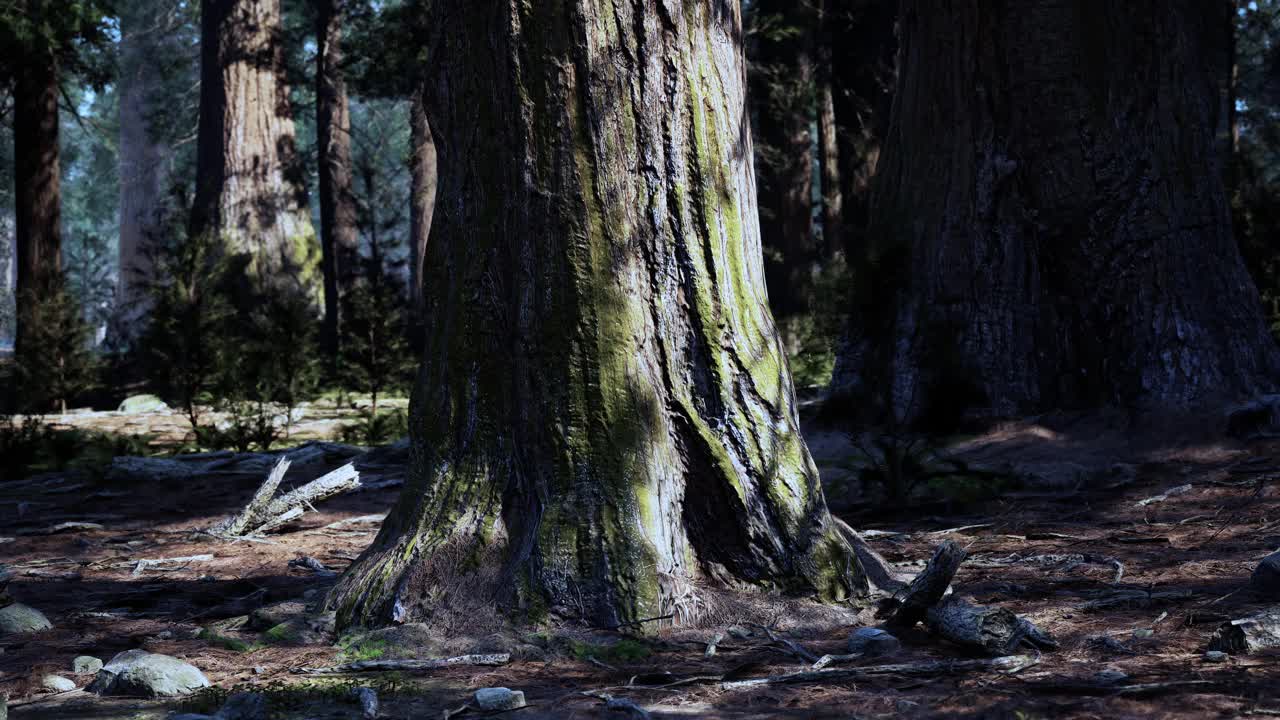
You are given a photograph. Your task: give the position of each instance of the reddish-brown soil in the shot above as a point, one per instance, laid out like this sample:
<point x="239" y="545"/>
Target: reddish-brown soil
<point x="1186" y="561"/>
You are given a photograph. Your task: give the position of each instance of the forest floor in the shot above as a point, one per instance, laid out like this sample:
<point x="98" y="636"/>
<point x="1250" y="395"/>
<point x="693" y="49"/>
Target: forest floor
<point x="1049" y="550"/>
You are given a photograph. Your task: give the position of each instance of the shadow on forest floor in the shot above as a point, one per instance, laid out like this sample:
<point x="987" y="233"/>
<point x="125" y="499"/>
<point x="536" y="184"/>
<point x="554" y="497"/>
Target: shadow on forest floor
<point x="1051" y="551"/>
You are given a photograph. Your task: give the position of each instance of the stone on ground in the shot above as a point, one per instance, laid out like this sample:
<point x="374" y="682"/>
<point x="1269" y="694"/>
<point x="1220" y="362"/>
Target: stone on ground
<point x="143" y="404"/>
<point x="1266" y="577"/>
<point x="57" y="683"/>
<point x="873" y="642"/>
<point x="86" y="665"/>
<point x="18" y="618"/>
<point x="138" y="672"/>
<point x="499" y="698"/>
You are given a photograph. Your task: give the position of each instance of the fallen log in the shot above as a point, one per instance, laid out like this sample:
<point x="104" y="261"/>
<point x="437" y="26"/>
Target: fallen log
<point x="1005" y="665"/>
<point x="263" y="513"/>
<point x="405" y="665"/>
<point x="1248" y="635"/>
<point x="909" y="605"/>
<point x="994" y="631"/>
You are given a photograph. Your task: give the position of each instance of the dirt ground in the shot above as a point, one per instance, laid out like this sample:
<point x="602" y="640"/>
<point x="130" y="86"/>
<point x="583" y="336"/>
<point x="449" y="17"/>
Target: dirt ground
<point x="1184" y="562"/>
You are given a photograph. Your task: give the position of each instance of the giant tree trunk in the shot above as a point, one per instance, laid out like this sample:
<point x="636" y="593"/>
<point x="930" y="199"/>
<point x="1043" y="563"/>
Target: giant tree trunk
<point x="422" y="170"/>
<point x="249" y="184"/>
<point x="782" y="84"/>
<point x="339" y="236"/>
<point x="1050" y="203"/>
<point x="603" y="425"/>
<point x="144" y="157"/>
<point x="37" y="192"/>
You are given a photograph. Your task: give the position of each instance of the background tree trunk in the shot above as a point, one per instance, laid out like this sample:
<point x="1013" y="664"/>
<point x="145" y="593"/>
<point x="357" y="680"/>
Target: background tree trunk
<point x="857" y="48"/>
<point x="144" y="158"/>
<point x="603" y="425"/>
<point x="782" y="92"/>
<point x="1050" y="214"/>
<point x="423" y="198"/>
<point x="339" y="234"/>
<point x="249" y="183"/>
<point x="37" y="192"/>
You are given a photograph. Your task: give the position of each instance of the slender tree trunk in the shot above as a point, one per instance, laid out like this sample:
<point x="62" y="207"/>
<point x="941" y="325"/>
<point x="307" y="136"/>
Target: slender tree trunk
<point x="782" y="90"/>
<point x="422" y="165"/>
<point x="37" y="195"/>
<point x="857" y="46"/>
<point x="1050" y="205"/>
<point x="829" y="157"/>
<point x="603" y="425"/>
<point x="249" y="184"/>
<point x="144" y="159"/>
<point x="339" y="234"/>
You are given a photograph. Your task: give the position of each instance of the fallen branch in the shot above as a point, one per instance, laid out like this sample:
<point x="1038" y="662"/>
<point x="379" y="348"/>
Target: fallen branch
<point x="1006" y="665"/>
<point x="263" y="513"/>
<point x="405" y="665"/>
<point x="1248" y="635"/>
<point x="995" y="631"/>
<point x="793" y="647"/>
<point x="910" y="604"/>
<point x="145" y="563"/>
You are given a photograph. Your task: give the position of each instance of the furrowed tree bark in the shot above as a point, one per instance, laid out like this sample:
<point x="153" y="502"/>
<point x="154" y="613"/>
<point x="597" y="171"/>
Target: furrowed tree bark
<point x="782" y="85"/>
<point x="37" y="189"/>
<point x="1050" y="213"/>
<point x="422" y="167"/>
<point x="249" y="183"/>
<point x="603" y="425"/>
<point x="339" y="235"/>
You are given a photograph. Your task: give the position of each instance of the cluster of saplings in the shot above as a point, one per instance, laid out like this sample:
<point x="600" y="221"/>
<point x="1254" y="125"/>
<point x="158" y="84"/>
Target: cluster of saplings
<point x="238" y="353"/>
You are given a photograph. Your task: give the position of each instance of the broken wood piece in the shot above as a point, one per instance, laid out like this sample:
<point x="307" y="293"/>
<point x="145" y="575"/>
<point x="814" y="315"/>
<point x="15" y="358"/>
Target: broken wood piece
<point x="62" y="527"/>
<point x="909" y="605"/>
<point x="263" y="513"/>
<point x="995" y="631"/>
<point x="405" y="665"/>
<point x="145" y="563"/>
<point x="878" y="570"/>
<point x="826" y="660"/>
<point x="326" y="486"/>
<point x="1006" y="665"/>
<point x="1171" y="492"/>
<point x="1248" y="635"/>
<point x="258" y="503"/>
<point x="711" y="646"/>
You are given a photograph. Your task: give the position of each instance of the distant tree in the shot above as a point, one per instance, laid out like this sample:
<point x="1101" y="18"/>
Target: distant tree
<point x="250" y="183"/>
<point x="159" y="105"/>
<point x="1051" y="239"/>
<point x="339" y="234"/>
<point x="40" y="41"/>
<point x="603" y="426"/>
<point x="781" y="51"/>
<point x="59" y="362"/>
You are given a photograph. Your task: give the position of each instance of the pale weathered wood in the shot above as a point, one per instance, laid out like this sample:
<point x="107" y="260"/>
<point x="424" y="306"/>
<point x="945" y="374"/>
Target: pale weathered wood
<point x="260" y="499"/>
<point x="1008" y="665"/>
<point x="1248" y="635"/>
<point x="406" y="665"/>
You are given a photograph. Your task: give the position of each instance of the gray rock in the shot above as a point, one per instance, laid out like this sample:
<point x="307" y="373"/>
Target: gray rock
<point x="57" y="683"/>
<point x="1266" y="577"/>
<point x="1110" y="676"/>
<point x="143" y="404"/>
<point x="269" y="616"/>
<point x="138" y="672"/>
<point x="368" y="700"/>
<point x="85" y="665"/>
<point x="18" y="618"/>
<point x="1216" y="656"/>
<point x="499" y="698"/>
<point x="873" y="642"/>
<point x="243" y="706"/>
